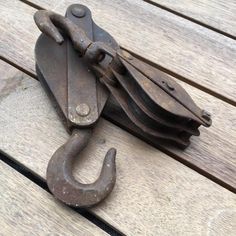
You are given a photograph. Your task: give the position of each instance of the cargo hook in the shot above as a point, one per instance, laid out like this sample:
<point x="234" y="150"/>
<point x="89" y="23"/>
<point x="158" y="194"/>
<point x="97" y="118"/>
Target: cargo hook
<point x="62" y="183"/>
<point x="48" y="21"/>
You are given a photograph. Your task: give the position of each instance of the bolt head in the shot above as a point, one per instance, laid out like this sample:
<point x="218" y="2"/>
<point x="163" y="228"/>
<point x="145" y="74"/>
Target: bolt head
<point x="78" y="12"/>
<point x="206" y="115"/>
<point x="170" y="86"/>
<point x="82" y="109"/>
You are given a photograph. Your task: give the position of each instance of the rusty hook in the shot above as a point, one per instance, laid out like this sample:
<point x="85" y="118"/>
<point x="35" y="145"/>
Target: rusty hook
<point x="155" y="104"/>
<point x="47" y="22"/>
<point x="60" y="179"/>
<point x="62" y="183"/>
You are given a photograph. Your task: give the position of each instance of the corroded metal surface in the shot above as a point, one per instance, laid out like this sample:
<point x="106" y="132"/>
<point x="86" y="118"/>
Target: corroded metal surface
<point x="74" y="89"/>
<point x="88" y="65"/>
<point x="62" y="183"/>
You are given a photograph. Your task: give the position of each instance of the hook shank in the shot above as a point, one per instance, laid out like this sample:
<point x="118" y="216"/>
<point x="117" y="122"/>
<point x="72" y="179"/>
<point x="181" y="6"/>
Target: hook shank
<point x="62" y="183"/>
<point x="48" y="21"/>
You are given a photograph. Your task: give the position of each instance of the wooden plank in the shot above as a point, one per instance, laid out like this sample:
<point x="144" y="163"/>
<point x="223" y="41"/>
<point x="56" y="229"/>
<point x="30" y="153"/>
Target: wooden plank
<point x="217" y="14"/>
<point x="154" y="194"/>
<point x="191" y="52"/>
<point x="27" y="209"/>
<point x="205" y="154"/>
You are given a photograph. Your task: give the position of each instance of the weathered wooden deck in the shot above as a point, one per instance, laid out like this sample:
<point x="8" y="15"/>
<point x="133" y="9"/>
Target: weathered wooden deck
<point x="158" y="192"/>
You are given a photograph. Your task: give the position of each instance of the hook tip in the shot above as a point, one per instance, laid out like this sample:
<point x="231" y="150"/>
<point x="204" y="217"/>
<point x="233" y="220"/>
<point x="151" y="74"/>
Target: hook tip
<point x="44" y="22"/>
<point x="109" y="163"/>
<point x="111" y="153"/>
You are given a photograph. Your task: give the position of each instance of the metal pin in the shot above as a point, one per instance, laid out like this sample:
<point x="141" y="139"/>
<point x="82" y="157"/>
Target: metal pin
<point x="82" y="109"/>
<point x="78" y="12"/>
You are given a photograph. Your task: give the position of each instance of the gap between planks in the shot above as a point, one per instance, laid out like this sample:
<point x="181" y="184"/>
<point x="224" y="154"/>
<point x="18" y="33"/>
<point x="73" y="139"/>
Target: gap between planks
<point x="34" y="5"/>
<point x="185" y="161"/>
<point x="19" y="67"/>
<point x="178" y="76"/>
<point x="156" y="65"/>
<point x="188" y="162"/>
<point x="155" y="3"/>
<point x="35" y="178"/>
<point x="184" y="79"/>
<point x="25" y="209"/>
<point x="210" y="78"/>
<point x="164" y="193"/>
<point x="201" y="152"/>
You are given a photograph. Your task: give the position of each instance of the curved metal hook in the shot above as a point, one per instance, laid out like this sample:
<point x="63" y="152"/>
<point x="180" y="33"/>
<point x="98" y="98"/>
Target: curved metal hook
<point x="48" y="21"/>
<point x="62" y="183"/>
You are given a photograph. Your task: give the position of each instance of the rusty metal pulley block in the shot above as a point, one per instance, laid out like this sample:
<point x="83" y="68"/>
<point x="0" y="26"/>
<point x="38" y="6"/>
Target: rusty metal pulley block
<point x="80" y="65"/>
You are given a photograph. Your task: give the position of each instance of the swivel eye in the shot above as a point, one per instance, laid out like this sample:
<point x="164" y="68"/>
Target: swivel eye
<point x="62" y="183"/>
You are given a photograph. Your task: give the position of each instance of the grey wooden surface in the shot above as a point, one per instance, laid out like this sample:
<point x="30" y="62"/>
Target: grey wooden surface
<point x="192" y="52"/>
<point x="205" y="153"/>
<point x="154" y="194"/>
<point x="217" y="14"/>
<point x="26" y="209"/>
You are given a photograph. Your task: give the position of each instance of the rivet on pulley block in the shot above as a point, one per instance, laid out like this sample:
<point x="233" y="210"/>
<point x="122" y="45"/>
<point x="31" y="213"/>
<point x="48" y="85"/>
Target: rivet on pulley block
<point x="78" y="12"/>
<point x="82" y="109"/>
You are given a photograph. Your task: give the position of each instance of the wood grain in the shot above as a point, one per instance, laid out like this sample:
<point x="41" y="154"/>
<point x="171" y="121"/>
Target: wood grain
<point x="154" y="194"/>
<point x="26" y="209"/>
<point x="205" y="154"/>
<point x="191" y="52"/>
<point x="217" y="14"/>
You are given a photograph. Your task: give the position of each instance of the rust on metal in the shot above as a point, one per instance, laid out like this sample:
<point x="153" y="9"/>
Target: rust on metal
<point x="64" y="186"/>
<point x="87" y="67"/>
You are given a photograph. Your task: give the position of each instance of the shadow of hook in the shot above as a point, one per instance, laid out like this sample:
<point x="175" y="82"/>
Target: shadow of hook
<point x="62" y="183"/>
